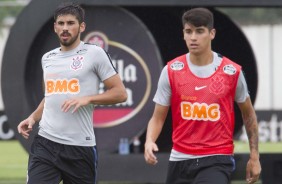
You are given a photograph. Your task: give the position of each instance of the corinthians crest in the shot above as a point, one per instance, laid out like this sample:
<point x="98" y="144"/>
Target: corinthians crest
<point x="77" y="63"/>
<point x="217" y="86"/>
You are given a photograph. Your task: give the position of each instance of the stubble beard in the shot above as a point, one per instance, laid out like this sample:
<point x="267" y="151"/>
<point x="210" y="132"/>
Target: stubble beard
<point x="67" y="43"/>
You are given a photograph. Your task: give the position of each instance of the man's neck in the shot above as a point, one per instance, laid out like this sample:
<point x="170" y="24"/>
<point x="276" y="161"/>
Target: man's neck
<point x="201" y="60"/>
<point x="71" y="47"/>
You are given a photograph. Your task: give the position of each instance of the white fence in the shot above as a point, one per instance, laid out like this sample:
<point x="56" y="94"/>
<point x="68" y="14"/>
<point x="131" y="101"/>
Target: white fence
<point x="266" y="42"/>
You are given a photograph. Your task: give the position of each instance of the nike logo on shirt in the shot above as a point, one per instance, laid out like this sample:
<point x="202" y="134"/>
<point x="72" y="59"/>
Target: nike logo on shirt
<point x="199" y="88"/>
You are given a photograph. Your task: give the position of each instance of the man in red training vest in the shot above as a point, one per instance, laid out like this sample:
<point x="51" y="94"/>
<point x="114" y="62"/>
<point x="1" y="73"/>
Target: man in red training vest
<point x="200" y="87"/>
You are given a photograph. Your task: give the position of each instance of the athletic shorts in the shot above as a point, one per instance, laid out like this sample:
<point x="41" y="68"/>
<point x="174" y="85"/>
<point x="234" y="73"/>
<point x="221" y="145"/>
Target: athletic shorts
<point x="208" y="170"/>
<point x="51" y="163"/>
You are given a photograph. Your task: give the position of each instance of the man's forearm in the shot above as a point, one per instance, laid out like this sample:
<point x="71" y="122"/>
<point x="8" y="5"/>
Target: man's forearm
<point x="37" y="114"/>
<point x="252" y="133"/>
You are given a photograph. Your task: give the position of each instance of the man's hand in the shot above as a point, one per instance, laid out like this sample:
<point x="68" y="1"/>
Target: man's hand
<point x="74" y="103"/>
<point x="150" y="157"/>
<point x="253" y="171"/>
<point x="25" y="127"/>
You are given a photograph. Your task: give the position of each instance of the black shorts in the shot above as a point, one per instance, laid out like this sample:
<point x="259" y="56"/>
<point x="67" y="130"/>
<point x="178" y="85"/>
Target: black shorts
<point x="208" y="170"/>
<point x="50" y="163"/>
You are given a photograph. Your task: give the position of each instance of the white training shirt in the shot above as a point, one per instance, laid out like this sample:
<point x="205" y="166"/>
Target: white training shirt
<point x="67" y="75"/>
<point x="163" y="93"/>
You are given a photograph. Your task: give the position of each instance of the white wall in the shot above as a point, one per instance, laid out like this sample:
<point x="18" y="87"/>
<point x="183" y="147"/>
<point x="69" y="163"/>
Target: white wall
<point x="266" y="42"/>
<point x="3" y="38"/>
<point x="277" y="68"/>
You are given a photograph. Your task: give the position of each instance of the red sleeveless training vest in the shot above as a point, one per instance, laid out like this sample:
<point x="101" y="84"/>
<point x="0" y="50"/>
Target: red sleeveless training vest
<point x="203" y="108"/>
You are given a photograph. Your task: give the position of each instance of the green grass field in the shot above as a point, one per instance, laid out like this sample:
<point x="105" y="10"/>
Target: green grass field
<point x="13" y="161"/>
<point x="242" y="147"/>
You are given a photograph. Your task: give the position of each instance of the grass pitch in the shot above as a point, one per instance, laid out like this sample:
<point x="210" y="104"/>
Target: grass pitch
<point x="243" y="147"/>
<point x="14" y="158"/>
<point x="13" y="162"/>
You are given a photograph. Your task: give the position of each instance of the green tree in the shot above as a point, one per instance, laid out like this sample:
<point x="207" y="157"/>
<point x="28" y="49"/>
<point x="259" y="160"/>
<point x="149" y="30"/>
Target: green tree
<point x="258" y="16"/>
<point x="8" y="10"/>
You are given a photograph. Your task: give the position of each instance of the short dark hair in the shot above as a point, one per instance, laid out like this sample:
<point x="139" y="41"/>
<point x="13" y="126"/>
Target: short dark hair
<point x="198" y="17"/>
<point x="72" y="9"/>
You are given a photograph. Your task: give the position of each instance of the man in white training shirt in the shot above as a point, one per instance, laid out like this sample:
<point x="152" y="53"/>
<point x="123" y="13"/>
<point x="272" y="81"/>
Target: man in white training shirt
<point x="65" y="147"/>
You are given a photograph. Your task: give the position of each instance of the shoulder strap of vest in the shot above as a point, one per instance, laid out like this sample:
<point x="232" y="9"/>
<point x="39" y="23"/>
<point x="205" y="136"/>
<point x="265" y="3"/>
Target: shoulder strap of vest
<point x="179" y="58"/>
<point x="226" y="60"/>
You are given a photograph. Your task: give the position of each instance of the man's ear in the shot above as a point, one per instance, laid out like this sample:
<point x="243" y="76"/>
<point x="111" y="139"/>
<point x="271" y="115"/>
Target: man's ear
<point x="55" y="28"/>
<point x="82" y="27"/>
<point x="212" y="33"/>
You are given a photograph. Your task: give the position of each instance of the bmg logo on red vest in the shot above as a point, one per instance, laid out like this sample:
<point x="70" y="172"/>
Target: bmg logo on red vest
<point x="200" y="111"/>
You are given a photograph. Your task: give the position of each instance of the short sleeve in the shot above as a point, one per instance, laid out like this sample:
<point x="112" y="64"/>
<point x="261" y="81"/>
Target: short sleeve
<point x="103" y="65"/>
<point x="163" y="93"/>
<point x="241" y="89"/>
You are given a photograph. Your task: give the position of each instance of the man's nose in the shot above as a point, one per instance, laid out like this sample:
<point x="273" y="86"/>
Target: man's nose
<point x="193" y="35"/>
<point x="65" y="27"/>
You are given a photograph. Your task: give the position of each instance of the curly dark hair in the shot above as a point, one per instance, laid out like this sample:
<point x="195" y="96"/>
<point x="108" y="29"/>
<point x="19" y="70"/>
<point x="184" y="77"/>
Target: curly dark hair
<point x="72" y="9"/>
